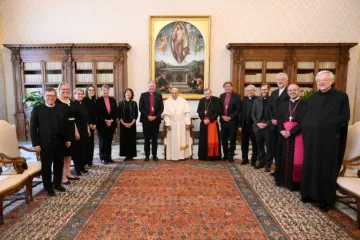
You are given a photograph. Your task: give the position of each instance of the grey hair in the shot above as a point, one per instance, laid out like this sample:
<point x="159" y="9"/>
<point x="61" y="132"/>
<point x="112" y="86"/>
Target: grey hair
<point x="282" y="74"/>
<point x="105" y="86"/>
<point x="250" y="87"/>
<point x="76" y="90"/>
<point x="331" y="75"/>
<point x="207" y="89"/>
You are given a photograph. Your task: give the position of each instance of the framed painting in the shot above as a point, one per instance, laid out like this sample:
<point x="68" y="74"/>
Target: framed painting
<point x="180" y="54"/>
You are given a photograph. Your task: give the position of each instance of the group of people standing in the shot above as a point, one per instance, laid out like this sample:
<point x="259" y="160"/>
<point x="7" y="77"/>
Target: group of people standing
<point x="306" y="138"/>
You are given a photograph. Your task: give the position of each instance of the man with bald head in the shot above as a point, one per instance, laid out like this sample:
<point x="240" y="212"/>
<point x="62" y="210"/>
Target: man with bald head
<point x="151" y="107"/>
<point x="324" y="129"/>
<point x="290" y="152"/>
<point x="178" y="122"/>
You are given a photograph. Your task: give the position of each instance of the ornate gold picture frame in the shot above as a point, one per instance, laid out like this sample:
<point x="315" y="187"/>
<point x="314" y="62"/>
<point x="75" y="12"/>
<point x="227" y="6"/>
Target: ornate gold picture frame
<point x="180" y="54"/>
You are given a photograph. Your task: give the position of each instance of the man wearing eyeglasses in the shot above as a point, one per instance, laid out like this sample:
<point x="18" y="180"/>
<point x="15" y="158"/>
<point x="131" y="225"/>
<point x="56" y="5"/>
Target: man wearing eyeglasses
<point x="229" y="110"/>
<point x="49" y="136"/>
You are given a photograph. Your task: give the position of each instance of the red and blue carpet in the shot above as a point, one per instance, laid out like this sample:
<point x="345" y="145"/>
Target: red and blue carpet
<point x="175" y="200"/>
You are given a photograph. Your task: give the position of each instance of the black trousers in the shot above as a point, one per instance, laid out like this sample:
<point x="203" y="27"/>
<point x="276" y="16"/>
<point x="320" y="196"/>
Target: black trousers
<point x="52" y="157"/>
<point x="229" y="133"/>
<point x="151" y="131"/>
<point x="105" y="141"/>
<point x="247" y="134"/>
<point x="80" y="152"/>
<point x="274" y="142"/>
<point x="263" y="139"/>
<point x="90" y="152"/>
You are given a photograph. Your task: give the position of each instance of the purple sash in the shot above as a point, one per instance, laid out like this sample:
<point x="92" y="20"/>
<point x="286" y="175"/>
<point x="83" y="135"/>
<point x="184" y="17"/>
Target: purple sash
<point x="298" y="152"/>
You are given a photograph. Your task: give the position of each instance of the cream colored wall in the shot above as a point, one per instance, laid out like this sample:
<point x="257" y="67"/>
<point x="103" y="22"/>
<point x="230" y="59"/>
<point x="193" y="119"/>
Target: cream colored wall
<point x="92" y="21"/>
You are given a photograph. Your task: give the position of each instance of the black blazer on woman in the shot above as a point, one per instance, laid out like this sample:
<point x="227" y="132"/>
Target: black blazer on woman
<point x="91" y="109"/>
<point x="102" y="113"/>
<point x="133" y="111"/>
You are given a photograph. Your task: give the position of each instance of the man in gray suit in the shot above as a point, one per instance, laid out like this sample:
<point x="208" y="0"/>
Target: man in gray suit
<point x="261" y="117"/>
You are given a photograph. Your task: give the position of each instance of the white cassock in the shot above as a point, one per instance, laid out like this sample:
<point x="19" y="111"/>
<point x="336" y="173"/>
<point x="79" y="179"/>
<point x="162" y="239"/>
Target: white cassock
<point x="178" y="141"/>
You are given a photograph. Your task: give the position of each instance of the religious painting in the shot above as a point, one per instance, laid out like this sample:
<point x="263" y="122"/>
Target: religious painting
<point x="179" y="54"/>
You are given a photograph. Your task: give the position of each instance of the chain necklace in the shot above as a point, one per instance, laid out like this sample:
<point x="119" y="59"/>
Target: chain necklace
<point x="206" y="108"/>
<point x="292" y="112"/>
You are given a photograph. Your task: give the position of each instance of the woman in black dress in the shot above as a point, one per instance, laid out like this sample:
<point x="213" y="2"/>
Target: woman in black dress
<point x="63" y="98"/>
<point x="89" y="102"/>
<point x="128" y="113"/>
<point x="81" y="146"/>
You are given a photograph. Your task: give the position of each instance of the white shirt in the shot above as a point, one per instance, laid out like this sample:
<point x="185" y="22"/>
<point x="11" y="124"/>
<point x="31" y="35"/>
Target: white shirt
<point x="281" y="90"/>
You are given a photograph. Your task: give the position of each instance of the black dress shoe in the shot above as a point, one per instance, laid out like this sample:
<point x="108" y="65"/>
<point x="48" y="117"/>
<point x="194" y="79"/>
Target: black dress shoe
<point x="111" y="161"/>
<point x="253" y="163"/>
<point x="66" y="183"/>
<point x="306" y="199"/>
<point x="267" y="168"/>
<point x="324" y="207"/>
<point x="231" y="159"/>
<point x="259" y="166"/>
<point x="59" y="188"/>
<point x="155" y="158"/>
<point x="244" y="162"/>
<point x="50" y="192"/>
<point x="225" y="158"/>
<point x="104" y="162"/>
<point x="272" y="174"/>
<point x="126" y="159"/>
<point x="73" y="178"/>
<point x="146" y="159"/>
<point x="84" y="171"/>
<point x="78" y="173"/>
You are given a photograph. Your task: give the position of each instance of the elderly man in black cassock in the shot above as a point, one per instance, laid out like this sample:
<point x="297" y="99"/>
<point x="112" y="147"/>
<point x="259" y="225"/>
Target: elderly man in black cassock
<point x="324" y="129"/>
<point x="290" y="152"/>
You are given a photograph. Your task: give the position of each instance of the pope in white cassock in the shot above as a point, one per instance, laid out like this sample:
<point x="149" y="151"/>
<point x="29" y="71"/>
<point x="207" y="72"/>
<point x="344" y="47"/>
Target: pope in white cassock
<point x="178" y="122"/>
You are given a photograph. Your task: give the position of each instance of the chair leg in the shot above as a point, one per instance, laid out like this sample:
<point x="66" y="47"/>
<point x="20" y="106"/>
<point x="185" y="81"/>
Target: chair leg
<point x="28" y="196"/>
<point x="1" y="210"/>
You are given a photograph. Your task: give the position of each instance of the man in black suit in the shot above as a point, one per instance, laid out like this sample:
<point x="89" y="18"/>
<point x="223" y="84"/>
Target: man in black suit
<point x="230" y="108"/>
<point x="276" y="98"/>
<point x="151" y="106"/>
<point x="245" y="126"/>
<point x="262" y="126"/>
<point x="106" y="110"/>
<point x="49" y="136"/>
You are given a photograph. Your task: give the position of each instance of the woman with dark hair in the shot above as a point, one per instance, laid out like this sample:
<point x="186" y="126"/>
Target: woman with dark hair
<point x="89" y="102"/>
<point x="128" y="113"/>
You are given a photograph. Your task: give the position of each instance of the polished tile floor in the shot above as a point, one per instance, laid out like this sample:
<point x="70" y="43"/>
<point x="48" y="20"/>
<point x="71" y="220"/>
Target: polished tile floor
<point x="140" y="149"/>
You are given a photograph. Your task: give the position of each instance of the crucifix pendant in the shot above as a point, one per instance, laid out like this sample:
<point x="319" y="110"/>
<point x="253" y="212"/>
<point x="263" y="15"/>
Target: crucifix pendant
<point x="205" y="112"/>
<point x="152" y="108"/>
<point x="290" y="118"/>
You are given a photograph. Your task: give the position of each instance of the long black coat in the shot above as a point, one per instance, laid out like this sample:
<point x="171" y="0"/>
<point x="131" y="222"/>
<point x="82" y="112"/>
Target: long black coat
<point x="324" y="130"/>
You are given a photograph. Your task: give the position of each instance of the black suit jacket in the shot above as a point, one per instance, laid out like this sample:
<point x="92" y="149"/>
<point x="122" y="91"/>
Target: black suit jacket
<point x="40" y="126"/>
<point x="242" y="114"/>
<point x="233" y="108"/>
<point x="102" y="113"/>
<point x="275" y="100"/>
<point x="144" y="107"/>
<point x="257" y="112"/>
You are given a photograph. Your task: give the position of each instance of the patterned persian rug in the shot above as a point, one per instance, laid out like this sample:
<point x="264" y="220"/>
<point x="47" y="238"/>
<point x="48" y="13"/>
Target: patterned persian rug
<point x="175" y="200"/>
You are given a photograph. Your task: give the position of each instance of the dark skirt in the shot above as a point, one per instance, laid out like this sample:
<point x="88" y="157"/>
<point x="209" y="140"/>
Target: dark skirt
<point x="128" y="141"/>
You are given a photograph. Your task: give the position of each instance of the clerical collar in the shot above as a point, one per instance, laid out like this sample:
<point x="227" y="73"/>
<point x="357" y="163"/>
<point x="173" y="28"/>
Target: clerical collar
<point x="265" y="98"/>
<point x="151" y="92"/>
<point x="250" y="97"/>
<point x="294" y="100"/>
<point x="50" y="105"/>
<point x="228" y="93"/>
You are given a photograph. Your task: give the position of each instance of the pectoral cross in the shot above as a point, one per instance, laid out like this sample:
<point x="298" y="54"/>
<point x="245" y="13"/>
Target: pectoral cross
<point x="152" y="109"/>
<point x="205" y="112"/>
<point x="226" y="107"/>
<point x="291" y="118"/>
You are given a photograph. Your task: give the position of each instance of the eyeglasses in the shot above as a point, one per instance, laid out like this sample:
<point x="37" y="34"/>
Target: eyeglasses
<point x="48" y="96"/>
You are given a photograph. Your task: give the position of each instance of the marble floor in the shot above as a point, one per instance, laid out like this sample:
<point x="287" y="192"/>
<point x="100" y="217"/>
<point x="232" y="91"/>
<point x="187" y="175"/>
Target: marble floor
<point x="140" y="149"/>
